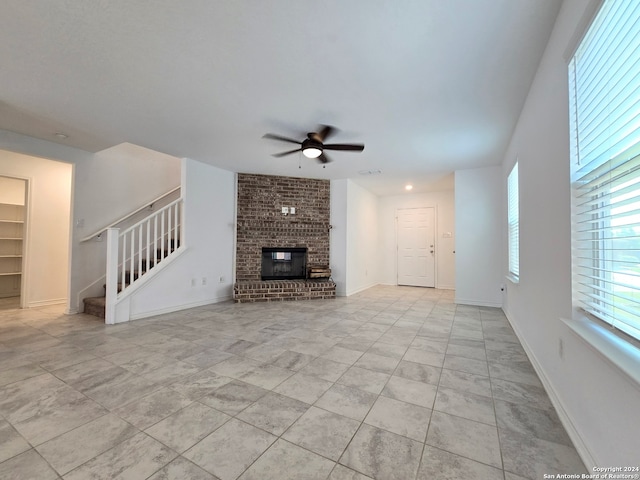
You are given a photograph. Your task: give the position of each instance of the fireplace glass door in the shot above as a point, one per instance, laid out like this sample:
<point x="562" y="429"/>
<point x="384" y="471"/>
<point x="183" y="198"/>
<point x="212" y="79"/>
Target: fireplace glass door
<point x="280" y="263"/>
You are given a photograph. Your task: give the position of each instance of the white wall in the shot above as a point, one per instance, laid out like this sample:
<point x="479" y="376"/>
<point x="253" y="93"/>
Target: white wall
<point x="354" y="237"/>
<point x="445" y="223"/>
<point x="362" y="239"/>
<point x="598" y="404"/>
<point x="338" y="239"/>
<point x="46" y="244"/>
<point x="209" y="216"/>
<point x="109" y="185"/>
<point x="117" y="180"/>
<point x="478" y="245"/>
<point x="12" y="191"/>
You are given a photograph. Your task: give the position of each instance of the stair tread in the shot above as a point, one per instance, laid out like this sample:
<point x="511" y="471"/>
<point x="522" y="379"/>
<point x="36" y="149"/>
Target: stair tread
<point x="98" y="301"/>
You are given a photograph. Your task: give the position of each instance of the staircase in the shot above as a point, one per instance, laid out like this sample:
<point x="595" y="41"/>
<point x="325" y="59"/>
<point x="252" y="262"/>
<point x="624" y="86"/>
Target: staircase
<point x="96" y="306"/>
<point x="133" y="255"/>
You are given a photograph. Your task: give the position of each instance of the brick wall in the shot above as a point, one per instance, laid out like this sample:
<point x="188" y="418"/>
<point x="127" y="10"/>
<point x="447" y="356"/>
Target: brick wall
<point x="260" y="222"/>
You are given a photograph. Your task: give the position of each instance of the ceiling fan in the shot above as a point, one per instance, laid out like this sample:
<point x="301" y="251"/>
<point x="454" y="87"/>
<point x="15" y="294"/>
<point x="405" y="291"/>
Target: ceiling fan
<point x="313" y="146"/>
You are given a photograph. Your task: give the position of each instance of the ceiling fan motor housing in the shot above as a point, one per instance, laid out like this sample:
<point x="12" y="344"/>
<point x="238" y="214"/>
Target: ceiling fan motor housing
<point x="312" y="148"/>
<point x="311" y="143"/>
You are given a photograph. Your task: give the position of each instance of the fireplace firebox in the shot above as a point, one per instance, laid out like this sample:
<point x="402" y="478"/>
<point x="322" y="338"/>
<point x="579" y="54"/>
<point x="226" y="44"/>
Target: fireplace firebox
<point x="284" y="263"/>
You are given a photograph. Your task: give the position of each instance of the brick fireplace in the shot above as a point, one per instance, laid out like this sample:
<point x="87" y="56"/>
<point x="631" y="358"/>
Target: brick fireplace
<point x="261" y="223"/>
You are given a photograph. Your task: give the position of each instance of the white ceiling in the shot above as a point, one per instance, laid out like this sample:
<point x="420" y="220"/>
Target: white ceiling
<point x="429" y="86"/>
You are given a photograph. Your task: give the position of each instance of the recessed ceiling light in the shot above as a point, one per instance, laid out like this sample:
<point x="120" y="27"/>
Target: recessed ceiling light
<point x="61" y="136"/>
<point x="370" y="172"/>
<point x="408" y="187"/>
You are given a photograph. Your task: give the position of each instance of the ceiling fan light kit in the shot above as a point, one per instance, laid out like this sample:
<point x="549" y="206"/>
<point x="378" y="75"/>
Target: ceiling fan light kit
<point x="311" y="149"/>
<point x="313" y="146"/>
<point x="311" y="152"/>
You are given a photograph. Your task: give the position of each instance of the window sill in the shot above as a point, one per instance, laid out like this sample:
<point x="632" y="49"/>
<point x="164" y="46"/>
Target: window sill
<point x="623" y="353"/>
<point x="513" y="279"/>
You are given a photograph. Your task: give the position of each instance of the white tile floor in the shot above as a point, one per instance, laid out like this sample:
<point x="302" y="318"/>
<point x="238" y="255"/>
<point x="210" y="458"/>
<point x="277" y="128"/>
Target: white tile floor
<point x="392" y="383"/>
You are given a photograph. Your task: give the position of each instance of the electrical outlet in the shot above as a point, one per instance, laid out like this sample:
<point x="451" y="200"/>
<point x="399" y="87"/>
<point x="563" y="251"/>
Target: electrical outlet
<point x="204" y="280"/>
<point x="221" y="280"/>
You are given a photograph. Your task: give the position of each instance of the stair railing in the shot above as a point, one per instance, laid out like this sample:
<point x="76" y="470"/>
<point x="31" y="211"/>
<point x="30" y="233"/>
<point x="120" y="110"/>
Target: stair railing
<point x="98" y="233"/>
<point x="139" y="249"/>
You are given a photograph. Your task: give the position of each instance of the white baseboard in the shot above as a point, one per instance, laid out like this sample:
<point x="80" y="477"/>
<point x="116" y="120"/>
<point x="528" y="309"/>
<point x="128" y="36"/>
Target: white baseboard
<point x="445" y="287"/>
<point x="47" y="303"/>
<point x="361" y="289"/>
<point x="565" y="418"/>
<point x="477" y="303"/>
<point x="177" y="308"/>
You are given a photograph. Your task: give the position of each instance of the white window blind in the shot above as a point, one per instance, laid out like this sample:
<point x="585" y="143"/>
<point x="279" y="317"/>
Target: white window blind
<point x="513" y="221"/>
<point x="604" y="87"/>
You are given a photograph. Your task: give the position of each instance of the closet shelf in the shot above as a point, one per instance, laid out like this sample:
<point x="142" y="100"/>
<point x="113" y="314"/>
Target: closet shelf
<point x="11" y="248"/>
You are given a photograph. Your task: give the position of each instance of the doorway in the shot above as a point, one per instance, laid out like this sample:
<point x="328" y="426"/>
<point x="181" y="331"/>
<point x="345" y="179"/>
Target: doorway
<point x="12" y="230"/>
<point x="416" y="246"/>
<point x="47" y="226"/>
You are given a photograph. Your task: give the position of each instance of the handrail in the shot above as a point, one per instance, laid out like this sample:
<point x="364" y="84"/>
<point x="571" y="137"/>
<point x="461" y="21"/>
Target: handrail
<point x="128" y="216"/>
<point x="166" y="207"/>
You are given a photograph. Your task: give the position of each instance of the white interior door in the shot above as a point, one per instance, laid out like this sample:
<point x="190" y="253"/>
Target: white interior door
<point x="416" y="247"/>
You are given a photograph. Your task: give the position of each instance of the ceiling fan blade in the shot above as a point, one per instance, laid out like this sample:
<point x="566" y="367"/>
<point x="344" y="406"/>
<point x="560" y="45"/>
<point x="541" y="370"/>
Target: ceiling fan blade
<point x="273" y="136"/>
<point x="323" y="158"/>
<point x="278" y="155"/>
<point x="325" y="132"/>
<point x="344" y="146"/>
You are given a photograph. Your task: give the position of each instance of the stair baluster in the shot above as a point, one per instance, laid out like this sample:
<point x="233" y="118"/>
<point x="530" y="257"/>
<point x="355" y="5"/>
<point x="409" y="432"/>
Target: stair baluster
<point x="135" y="251"/>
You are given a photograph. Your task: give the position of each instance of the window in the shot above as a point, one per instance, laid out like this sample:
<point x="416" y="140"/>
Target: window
<point x="604" y="88"/>
<point x="513" y="220"/>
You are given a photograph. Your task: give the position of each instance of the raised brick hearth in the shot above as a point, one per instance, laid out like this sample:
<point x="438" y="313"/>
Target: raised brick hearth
<point x="281" y="290"/>
<point x="260" y="223"/>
